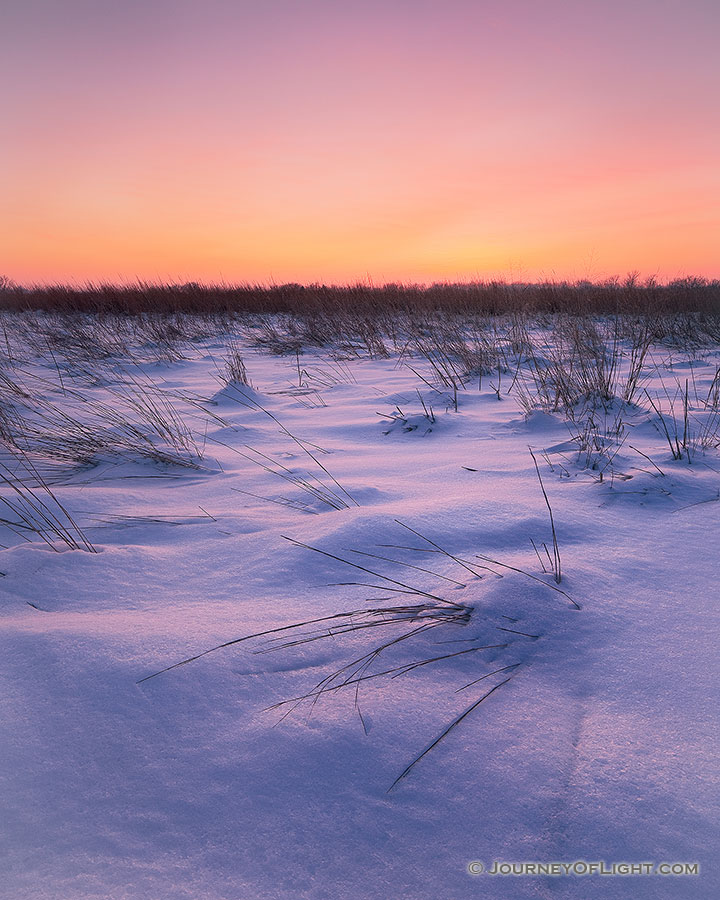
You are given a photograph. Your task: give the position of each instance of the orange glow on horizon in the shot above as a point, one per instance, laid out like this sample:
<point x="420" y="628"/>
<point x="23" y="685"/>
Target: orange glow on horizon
<point x="489" y="141"/>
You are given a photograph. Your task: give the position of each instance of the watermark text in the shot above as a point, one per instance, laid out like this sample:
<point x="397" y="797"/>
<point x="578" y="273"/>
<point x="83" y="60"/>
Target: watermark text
<point x="581" y="868"/>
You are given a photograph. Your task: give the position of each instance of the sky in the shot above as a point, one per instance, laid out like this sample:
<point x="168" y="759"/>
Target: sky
<point x="322" y="140"/>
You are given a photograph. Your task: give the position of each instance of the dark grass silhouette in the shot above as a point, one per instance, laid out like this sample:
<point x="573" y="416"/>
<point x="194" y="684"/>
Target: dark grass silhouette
<point x="615" y="295"/>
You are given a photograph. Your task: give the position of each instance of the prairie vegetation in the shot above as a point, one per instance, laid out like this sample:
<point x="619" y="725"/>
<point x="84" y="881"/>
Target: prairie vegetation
<point x="629" y="295"/>
<point x="76" y="388"/>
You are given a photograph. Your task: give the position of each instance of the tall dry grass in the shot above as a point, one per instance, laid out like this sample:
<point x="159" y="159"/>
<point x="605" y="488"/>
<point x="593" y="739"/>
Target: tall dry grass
<point x="615" y="295"/>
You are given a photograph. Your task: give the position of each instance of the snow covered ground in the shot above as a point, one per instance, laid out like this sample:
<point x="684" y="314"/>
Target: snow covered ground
<point x="599" y="742"/>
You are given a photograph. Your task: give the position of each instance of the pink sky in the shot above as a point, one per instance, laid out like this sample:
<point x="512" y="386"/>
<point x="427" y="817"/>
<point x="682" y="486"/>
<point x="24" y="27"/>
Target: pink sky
<point x="328" y="141"/>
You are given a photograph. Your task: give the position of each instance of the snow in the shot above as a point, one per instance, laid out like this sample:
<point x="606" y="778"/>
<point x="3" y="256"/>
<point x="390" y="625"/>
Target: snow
<point x="602" y="745"/>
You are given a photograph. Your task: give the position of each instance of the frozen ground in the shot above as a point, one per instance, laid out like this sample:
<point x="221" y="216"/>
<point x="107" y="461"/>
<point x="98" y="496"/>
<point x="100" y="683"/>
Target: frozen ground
<point x="602" y="745"/>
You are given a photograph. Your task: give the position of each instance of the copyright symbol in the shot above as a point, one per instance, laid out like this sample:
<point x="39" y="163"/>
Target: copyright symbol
<point x="475" y="868"/>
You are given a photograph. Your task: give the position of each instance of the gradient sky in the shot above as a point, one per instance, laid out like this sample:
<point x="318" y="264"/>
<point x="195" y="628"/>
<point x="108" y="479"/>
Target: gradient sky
<point x="324" y="140"/>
